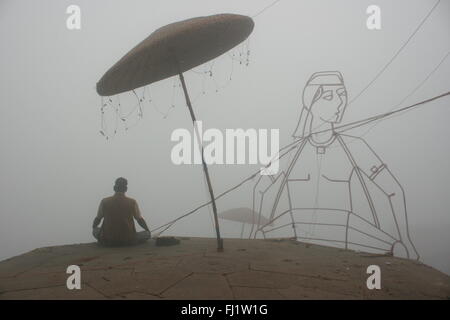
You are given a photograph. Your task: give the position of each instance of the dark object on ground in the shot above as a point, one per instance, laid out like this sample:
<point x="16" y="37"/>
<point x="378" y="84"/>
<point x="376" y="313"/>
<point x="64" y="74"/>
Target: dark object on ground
<point x="166" y="241"/>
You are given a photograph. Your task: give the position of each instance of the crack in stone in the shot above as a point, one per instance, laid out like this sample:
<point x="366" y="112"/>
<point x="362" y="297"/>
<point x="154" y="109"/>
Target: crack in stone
<point x="254" y="287"/>
<point x="298" y="274"/>
<point x="187" y="276"/>
<point x="96" y="290"/>
<point x="229" y="286"/>
<point x="33" y="288"/>
<point x="137" y="291"/>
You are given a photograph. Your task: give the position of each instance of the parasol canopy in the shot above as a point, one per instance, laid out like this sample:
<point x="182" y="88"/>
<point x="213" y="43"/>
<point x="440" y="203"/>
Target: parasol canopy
<point x="174" y="49"/>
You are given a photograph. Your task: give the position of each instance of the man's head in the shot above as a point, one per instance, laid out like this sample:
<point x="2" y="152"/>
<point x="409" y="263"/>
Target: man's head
<point x="121" y="185"/>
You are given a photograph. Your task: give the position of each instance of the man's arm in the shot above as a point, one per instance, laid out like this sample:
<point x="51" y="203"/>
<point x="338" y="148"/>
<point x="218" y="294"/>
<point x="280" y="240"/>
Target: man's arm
<point x="140" y="220"/>
<point x="99" y="216"/>
<point x="143" y="224"/>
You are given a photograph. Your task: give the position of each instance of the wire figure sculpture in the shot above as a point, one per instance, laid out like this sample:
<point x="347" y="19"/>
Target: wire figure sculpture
<point x="354" y="178"/>
<point x="286" y="150"/>
<point x="356" y="218"/>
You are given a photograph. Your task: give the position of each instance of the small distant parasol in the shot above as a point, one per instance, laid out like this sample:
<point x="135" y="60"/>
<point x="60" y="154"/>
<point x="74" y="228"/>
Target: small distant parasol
<point x="245" y="216"/>
<point x="172" y="50"/>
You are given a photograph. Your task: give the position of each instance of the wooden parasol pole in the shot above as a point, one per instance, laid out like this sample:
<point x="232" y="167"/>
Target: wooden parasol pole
<point x="205" y="167"/>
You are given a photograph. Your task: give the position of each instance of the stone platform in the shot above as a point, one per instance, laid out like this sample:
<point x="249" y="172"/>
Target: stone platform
<point x="193" y="269"/>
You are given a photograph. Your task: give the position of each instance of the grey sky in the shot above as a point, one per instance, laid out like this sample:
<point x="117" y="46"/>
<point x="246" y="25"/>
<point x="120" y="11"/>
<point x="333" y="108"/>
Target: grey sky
<point x="55" y="166"/>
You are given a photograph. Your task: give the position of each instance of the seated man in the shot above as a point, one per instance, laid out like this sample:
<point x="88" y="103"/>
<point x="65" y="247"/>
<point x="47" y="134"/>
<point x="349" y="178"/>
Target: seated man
<point x="117" y="213"/>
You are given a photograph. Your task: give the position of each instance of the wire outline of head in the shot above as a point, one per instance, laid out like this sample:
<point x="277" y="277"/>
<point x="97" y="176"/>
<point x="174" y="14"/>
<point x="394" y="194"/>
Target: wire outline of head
<point x="312" y="92"/>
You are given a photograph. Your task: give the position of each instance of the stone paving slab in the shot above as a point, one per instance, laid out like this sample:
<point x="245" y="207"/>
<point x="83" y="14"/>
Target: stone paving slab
<point x="53" y="293"/>
<point x="247" y="269"/>
<point x="200" y="286"/>
<point x="251" y="293"/>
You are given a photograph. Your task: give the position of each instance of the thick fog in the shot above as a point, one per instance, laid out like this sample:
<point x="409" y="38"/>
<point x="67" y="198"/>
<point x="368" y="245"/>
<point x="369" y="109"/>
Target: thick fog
<point x="56" y="166"/>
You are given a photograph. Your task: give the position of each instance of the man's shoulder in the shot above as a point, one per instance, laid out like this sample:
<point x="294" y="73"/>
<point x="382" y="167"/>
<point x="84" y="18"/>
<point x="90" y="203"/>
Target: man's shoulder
<point x="107" y="199"/>
<point x="125" y="196"/>
<point x="122" y="199"/>
<point x="130" y="200"/>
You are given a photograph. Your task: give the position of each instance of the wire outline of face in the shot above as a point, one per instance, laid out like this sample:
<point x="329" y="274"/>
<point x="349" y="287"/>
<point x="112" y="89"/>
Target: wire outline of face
<point x="313" y="92"/>
<point x="329" y="103"/>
